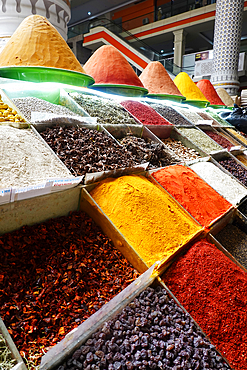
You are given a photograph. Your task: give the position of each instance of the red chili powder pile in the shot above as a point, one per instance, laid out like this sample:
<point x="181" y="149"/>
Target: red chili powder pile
<point x="156" y="79"/>
<point x="193" y="193"/>
<point x="214" y="291"/>
<point x="108" y="66"/>
<point x="209" y="92"/>
<point x="144" y="113"/>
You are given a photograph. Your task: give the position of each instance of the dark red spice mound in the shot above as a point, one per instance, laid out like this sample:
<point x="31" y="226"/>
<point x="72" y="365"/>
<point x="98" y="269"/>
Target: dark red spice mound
<point x="209" y="92"/>
<point x="214" y="291"/>
<point x="53" y="276"/>
<point x="221" y="140"/>
<point x="144" y="113"/>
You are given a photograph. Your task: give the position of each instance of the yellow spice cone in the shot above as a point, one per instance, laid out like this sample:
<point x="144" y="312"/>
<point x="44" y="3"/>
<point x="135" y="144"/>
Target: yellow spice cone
<point x="188" y="88"/>
<point x="37" y="43"/>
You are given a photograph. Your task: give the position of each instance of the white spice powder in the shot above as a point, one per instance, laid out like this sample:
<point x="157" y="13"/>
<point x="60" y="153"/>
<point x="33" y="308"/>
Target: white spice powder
<point x="25" y="160"/>
<point x="224" y="184"/>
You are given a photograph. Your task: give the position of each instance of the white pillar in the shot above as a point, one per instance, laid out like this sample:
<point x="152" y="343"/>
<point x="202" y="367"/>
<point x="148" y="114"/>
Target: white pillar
<point x="227" y="35"/>
<point x="13" y="12"/>
<point x="179" y="46"/>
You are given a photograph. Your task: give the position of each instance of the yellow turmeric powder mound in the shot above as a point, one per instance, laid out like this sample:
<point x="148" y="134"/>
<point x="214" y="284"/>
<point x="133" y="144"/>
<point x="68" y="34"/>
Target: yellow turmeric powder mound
<point x="156" y="80"/>
<point x="108" y="66"/>
<point x="37" y="43"/>
<point x="149" y="218"/>
<point x="188" y="88"/>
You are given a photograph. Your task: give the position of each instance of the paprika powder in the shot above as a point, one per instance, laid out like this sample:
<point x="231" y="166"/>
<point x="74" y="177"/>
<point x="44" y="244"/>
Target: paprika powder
<point x="213" y="289"/>
<point x="193" y="193"/>
<point x="144" y="113"/>
<point x="209" y="92"/>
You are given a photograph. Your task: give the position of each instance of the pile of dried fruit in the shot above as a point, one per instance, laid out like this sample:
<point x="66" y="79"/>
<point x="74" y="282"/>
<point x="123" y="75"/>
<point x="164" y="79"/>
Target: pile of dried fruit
<point x="152" y="332"/>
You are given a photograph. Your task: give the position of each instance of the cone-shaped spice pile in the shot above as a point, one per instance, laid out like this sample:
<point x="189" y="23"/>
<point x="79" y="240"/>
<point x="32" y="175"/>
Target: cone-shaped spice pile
<point x="108" y="66"/>
<point x="209" y="92"/>
<point x="225" y="97"/>
<point x="156" y="80"/>
<point x="188" y="88"/>
<point x="37" y="43"/>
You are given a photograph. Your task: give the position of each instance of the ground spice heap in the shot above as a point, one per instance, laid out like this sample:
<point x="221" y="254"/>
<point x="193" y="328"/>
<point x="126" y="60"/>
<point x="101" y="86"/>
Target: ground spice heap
<point x="171" y="114"/>
<point x="209" y="92"/>
<point x="107" y="65"/>
<point x="25" y="160"/>
<point x="31" y="104"/>
<point x="235" y="241"/>
<point x="193" y="193"/>
<point x="156" y="80"/>
<point x="223" y="183"/>
<point x="225" y="97"/>
<point x="151" y="332"/>
<point x="72" y="271"/>
<point x="188" y="88"/>
<point x="147" y="150"/>
<point x="184" y="153"/>
<point x="200" y="139"/>
<point x="150" y="220"/>
<point x="85" y="151"/>
<point x="242" y="158"/>
<point x="237" y="135"/>
<point x="188" y="113"/>
<point x="217" y="118"/>
<point x="37" y="43"/>
<point x="6" y="359"/>
<point x="144" y="113"/>
<point x="106" y="110"/>
<point x="236" y="169"/>
<point x="213" y="290"/>
<point x="208" y="118"/>
<point x="220" y="139"/>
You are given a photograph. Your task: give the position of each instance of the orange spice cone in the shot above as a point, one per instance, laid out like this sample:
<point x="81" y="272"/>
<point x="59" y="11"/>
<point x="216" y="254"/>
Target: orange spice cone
<point x="37" y="43"/>
<point x="157" y="80"/>
<point x="108" y="66"/>
<point x="209" y="92"/>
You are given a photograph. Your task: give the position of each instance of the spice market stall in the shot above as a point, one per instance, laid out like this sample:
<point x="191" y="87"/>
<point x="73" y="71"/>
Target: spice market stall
<point x="98" y="235"/>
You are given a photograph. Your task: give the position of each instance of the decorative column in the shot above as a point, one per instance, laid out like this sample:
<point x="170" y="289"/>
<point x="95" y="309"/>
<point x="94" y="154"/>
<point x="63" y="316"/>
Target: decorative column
<point x="179" y="46"/>
<point x="12" y="13"/>
<point x="227" y="35"/>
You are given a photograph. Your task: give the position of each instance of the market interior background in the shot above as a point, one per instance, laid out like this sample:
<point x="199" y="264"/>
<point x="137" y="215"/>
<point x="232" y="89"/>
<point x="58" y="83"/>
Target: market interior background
<point x="180" y="34"/>
<point x="208" y="41"/>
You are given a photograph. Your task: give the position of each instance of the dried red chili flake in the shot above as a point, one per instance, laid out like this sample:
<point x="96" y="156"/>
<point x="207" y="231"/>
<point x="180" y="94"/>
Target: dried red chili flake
<point x="213" y="289"/>
<point x="144" y="113"/>
<point x="54" y="276"/>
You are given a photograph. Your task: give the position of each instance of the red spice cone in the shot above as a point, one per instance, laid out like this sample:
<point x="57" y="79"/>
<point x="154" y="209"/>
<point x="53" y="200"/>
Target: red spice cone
<point x="156" y="80"/>
<point x="108" y="66"/>
<point x="209" y="91"/>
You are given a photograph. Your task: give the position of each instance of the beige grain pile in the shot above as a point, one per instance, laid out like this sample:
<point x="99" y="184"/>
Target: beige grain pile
<point x="225" y="97"/>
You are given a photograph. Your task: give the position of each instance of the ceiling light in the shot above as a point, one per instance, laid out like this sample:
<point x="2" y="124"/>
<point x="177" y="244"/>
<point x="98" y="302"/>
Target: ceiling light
<point x="89" y="13"/>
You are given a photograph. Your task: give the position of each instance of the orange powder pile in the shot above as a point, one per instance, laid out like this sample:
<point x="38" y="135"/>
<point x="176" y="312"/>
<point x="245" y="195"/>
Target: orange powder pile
<point x="156" y="80"/>
<point x="108" y="66"/>
<point x="37" y="43"/>
<point x="193" y="193"/>
<point x="188" y="88"/>
<point x="209" y="92"/>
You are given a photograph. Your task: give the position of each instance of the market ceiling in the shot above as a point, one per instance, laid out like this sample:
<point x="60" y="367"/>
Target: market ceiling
<point x="89" y="9"/>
